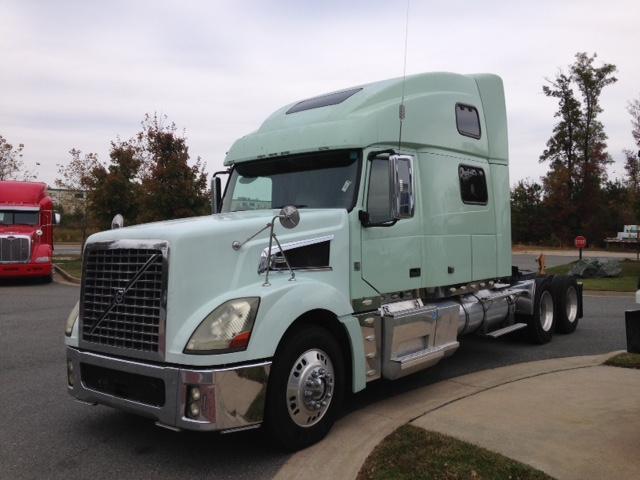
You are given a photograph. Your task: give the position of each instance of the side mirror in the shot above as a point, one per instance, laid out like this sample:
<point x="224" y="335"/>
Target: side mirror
<point x="289" y="217"/>
<point x="216" y="191"/>
<point x="390" y="195"/>
<point x="57" y="218"/>
<point x="117" y="222"/>
<point x="216" y="195"/>
<point x="402" y="194"/>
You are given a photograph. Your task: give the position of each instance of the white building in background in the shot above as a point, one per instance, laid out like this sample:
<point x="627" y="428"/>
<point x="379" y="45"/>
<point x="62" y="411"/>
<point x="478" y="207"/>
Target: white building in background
<point x="70" y="200"/>
<point x="630" y="232"/>
<point x="629" y="236"/>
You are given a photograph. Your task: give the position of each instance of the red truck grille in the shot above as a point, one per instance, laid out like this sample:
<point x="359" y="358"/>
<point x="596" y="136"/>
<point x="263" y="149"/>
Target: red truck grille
<point x="15" y="249"/>
<point x="123" y="300"/>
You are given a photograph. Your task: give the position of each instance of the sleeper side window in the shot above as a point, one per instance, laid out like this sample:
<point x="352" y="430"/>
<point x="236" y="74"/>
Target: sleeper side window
<point x="473" y="185"/>
<point x="379" y="194"/>
<point x="467" y="120"/>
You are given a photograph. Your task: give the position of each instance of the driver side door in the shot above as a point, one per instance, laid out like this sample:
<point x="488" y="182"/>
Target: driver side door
<point x="391" y="246"/>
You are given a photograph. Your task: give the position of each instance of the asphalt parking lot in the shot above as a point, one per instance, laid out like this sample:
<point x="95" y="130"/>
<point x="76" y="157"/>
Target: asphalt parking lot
<point x="45" y="434"/>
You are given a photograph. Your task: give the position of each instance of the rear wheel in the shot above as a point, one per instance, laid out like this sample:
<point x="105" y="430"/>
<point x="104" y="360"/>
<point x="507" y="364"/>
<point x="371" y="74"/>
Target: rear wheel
<point x="540" y="325"/>
<point x="306" y="387"/>
<point x="565" y="295"/>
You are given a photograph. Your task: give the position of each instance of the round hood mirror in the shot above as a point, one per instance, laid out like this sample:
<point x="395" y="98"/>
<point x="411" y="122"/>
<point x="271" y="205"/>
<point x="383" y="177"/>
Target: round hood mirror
<point x="117" y="222"/>
<point x="289" y="217"/>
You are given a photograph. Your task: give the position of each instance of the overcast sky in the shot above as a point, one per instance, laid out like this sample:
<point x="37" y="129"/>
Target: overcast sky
<point x="79" y="74"/>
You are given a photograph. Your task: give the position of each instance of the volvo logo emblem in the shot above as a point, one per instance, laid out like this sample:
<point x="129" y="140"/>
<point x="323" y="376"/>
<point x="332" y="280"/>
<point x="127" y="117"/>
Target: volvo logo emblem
<point x="119" y="297"/>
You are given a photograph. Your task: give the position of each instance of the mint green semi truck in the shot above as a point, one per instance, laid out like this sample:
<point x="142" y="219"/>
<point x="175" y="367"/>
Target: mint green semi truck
<point x="360" y="234"/>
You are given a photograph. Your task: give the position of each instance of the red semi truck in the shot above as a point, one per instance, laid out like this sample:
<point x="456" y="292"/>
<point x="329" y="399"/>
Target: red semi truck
<point x="26" y="230"/>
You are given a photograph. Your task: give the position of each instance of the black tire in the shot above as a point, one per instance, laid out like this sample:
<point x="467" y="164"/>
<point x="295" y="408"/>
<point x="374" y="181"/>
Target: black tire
<point x="540" y="325"/>
<point x="46" y="279"/>
<point x="565" y="297"/>
<point x="279" y="423"/>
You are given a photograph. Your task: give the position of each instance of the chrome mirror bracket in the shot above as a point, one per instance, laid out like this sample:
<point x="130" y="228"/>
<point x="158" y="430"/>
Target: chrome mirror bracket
<point x="289" y="218"/>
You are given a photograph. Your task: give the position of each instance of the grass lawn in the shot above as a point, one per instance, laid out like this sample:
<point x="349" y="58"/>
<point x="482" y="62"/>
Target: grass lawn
<point x="69" y="263"/>
<point x="413" y="453"/>
<point x="626" y="360"/>
<point x="626" y="282"/>
<point x="68" y="234"/>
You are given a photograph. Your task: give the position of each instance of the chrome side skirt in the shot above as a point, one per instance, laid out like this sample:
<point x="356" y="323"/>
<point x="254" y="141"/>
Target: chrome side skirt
<point x="407" y="333"/>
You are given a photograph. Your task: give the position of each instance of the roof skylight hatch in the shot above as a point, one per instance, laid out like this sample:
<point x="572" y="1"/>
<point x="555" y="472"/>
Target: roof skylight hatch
<point x="323" y="100"/>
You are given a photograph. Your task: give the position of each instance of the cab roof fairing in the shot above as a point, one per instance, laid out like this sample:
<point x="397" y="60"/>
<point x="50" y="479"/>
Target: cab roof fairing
<point x="370" y="117"/>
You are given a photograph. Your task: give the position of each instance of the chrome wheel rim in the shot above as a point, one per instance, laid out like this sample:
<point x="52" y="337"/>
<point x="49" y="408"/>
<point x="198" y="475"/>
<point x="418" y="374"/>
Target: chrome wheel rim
<point x="310" y="387"/>
<point x="572" y="304"/>
<point x="546" y="311"/>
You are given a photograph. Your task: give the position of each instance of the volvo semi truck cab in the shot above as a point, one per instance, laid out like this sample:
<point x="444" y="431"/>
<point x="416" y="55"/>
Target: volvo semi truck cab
<point x="26" y="230"/>
<point x="351" y="243"/>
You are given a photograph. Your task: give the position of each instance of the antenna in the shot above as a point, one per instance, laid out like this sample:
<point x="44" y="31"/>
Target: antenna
<point x="401" y="110"/>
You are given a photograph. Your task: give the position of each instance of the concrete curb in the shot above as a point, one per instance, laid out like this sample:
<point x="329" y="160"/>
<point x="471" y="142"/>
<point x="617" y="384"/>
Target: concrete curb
<point x="66" y="275"/>
<point x="345" y="449"/>
<point x="607" y="293"/>
<point x="574" y="253"/>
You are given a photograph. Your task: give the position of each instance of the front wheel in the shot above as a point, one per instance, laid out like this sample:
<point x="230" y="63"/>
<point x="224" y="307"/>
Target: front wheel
<point x="47" y="278"/>
<point x="306" y="387"/>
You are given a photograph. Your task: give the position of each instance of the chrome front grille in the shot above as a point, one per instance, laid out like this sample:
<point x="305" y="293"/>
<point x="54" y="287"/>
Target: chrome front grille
<point x="123" y="298"/>
<point x="15" y="249"/>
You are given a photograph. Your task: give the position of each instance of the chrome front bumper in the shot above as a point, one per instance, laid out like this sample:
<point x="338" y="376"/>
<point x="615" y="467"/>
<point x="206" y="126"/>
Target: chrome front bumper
<point x="231" y="398"/>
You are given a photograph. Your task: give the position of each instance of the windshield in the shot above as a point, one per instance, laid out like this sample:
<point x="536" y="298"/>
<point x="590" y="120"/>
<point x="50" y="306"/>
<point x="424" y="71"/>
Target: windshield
<point x="8" y="217"/>
<point x="319" y="180"/>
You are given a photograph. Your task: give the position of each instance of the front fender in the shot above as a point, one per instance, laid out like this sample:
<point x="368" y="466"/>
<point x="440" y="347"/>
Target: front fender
<point x="281" y="304"/>
<point x="42" y="250"/>
<point x="300" y="299"/>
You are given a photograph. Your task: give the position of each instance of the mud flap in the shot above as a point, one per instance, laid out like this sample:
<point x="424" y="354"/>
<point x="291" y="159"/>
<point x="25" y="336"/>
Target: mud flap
<point x="580" y="287"/>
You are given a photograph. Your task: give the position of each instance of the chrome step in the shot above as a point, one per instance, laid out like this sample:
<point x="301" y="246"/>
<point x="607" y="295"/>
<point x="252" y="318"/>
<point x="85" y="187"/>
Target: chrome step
<point x="425" y="358"/>
<point x="505" y="330"/>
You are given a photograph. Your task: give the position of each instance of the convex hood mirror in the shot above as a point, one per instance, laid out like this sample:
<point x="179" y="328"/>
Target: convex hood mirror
<point x="289" y="217"/>
<point x="117" y="222"/>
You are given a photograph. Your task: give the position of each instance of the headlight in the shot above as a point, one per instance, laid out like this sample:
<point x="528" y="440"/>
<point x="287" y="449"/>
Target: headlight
<point x="71" y="320"/>
<point x="226" y="329"/>
<point x="43" y="259"/>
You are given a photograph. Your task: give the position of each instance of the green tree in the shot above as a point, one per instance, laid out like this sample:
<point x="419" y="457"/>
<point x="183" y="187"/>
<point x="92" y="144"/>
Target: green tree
<point x="632" y="168"/>
<point x="632" y="161"/>
<point x="576" y="150"/>
<point x="561" y="147"/>
<point x="11" y="163"/>
<point x="591" y="80"/>
<point x="616" y="210"/>
<point x="528" y="218"/>
<point x="634" y="110"/>
<point x="115" y="189"/>
<point x="170" y="187"/>
<point x="77" y="175"/>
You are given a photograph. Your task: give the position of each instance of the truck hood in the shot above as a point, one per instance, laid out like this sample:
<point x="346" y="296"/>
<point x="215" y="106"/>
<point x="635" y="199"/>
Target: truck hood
<point x="18" y="230"/>
<point x="204" y="269"/>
